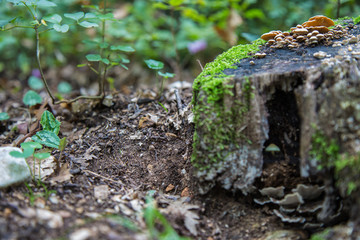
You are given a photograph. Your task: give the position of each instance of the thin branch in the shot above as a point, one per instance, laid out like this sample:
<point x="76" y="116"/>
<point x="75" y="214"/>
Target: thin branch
<point x="39" y="64"/>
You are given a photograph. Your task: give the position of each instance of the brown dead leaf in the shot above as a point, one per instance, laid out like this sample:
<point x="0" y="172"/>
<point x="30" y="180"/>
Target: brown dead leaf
<point x="182" y="210"/>
<point x="145" y="122"/>
<point x="185" y="192"/>
<point x="63" y="176"/>
<point x="169" y="188"/>
<point x="171" y="135"/>
<point x="88" y="155"/>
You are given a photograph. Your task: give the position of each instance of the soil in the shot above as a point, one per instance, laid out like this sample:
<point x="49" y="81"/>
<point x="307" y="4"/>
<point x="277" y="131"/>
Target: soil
<point x="115" y="157"/>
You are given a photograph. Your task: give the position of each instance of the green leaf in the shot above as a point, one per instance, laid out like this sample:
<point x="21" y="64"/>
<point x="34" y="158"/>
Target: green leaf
<point x="42" y="156"/>
<point x="15" y="2"/>
<point x="49" y="122"/>
<point x="47" y="138"/>
<point x="81" y="65"/>
<point x="64" y="87"/>
<point x="35" y="83"/>
<point x="90" y="16"/>
<point x="25" y="154"/>
<point x="75" y="16"/>
<point x="63" y="143"/>
<point x="4" y="116"/>
<point x="107" y="16"/>
<point x="88" y="24"/>
<point x="124" y="66"/>
<point x="106" y="61"/>
<point x="166" y="75"/>
<point x="104" y="45"/>
<point x="176" y="3"/>
<point x="31" y="98"/>
<point x="153" y="64"/>
<point x="44" y="3"/>
<point x="55" y="18"/>
<point x="33" y="145"/>
<point x="93" y="57"/>
<point x="61" y="28"/>
<point x="122" y="48"/>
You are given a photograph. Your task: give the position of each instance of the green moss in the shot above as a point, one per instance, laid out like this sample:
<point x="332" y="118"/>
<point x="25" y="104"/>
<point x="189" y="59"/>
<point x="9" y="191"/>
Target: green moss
<point x="216" y="122"/>
<point x="346" y="167"/>
<point x="212" y="77"/>
<point x="356" y="19"/>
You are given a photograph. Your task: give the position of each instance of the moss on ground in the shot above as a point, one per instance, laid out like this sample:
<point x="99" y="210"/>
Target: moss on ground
<point x="212" y="117"/>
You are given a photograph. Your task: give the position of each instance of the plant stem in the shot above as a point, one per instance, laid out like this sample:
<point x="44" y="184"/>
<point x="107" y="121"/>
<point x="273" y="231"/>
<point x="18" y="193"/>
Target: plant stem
<point x="338" y="8"/>
<point x="39" y="64"/>
<point x="102" y="67"/>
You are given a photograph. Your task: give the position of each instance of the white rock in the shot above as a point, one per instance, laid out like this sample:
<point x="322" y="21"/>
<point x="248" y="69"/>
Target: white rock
<point x="12" y="170"/>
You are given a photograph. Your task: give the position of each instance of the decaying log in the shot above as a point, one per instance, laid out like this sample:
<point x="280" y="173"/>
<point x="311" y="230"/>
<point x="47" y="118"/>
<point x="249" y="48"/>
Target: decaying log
<point x="283" y="99"/>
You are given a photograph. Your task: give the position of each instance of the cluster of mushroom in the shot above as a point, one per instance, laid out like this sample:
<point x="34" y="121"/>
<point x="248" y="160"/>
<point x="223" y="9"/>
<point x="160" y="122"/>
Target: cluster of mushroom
<point x="303" y="205"/>
<point x="314" y="31"/>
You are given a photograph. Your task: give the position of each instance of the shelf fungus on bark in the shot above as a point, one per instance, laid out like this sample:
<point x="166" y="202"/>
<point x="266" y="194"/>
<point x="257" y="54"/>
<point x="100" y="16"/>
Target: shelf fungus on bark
<point x="302" y="205"/>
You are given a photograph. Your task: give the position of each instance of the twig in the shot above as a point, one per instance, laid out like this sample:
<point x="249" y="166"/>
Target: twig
<point x="106" y="178"/>
<point x="202" y="68"/>
<point x="178" y="100"/>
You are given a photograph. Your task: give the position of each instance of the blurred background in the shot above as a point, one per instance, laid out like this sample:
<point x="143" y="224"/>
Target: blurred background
<point x="184" y="34"/>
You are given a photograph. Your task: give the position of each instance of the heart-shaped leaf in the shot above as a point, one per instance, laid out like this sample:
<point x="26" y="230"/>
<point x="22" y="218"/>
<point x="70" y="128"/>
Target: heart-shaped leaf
<point x="55" y="18"/>
<point x="153" y="64"/>
<point x="93" y="57"/>
<point x="31" y="98"/>
<point x="75" y="16"/>
<point x="49" y="122"/>
<point x="4" y="116"/>
<point x="88" y="24"/>
<point x="44" y="3"/>
<point x="47" y="138"/>
<point x="122" y="48"/>
<point x="35" y="83"/>
<point x="166" y="75"/>
<point x="42" y="156"/>
<point x="61" y="28"/>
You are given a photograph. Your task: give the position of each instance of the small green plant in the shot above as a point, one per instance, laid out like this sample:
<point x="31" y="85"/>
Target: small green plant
<point x="157" y="65"/>
<point x="33" y="196"/>
<point x="4" y="116"/>
<point x="48" y="136"/>
<point x="153" y="217"/>
<point x="107" y="57"/>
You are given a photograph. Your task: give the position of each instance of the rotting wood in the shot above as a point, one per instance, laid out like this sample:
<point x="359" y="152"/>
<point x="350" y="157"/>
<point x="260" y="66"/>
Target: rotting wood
<point x="294" y="95"/>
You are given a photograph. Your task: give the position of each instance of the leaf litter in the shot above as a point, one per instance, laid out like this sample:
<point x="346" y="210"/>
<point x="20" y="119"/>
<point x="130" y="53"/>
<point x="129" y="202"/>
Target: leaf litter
<point x="110" y="164"/>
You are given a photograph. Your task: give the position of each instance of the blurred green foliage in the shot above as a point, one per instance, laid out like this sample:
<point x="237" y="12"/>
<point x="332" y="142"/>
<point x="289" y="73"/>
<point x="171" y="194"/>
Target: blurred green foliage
<point x="160" y="29"/>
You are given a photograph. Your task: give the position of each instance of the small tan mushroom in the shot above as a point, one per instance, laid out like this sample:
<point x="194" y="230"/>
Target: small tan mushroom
<point x="318" y="21"/>
<point x="353" y="39"/>
<point x="271" y="41"/>
<point x="260" y="55"/>
<point x="300" y="31"/>
<point x="320" y="36"/>
<point x="286" y="34"/>
<point x="269" y="35"/>
<point x="300" y="38"/>
<point x="321" y="29"/>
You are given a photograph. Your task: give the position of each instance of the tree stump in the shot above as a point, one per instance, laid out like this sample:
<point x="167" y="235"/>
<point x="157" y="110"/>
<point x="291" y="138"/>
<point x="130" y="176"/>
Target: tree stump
<point x="305" y="101"/>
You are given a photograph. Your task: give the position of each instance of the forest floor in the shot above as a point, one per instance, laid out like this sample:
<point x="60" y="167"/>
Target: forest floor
<point x="116" y="157"/>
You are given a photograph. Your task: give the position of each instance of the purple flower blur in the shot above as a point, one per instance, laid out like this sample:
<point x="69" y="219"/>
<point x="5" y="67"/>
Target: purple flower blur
<point x="36" y="73"/>
<point x="197" y="46"/>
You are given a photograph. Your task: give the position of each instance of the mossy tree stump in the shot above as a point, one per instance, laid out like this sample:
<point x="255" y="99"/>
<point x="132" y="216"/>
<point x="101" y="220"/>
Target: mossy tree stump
<point x="307" y="106"/>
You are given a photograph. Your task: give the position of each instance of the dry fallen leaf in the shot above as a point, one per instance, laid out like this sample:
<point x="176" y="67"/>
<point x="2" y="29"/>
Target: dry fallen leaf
<point x="185" y="192"/>
<point x="64" y="175"/>
<point x="182" y="210"/>
<point x="169" y="188"/>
